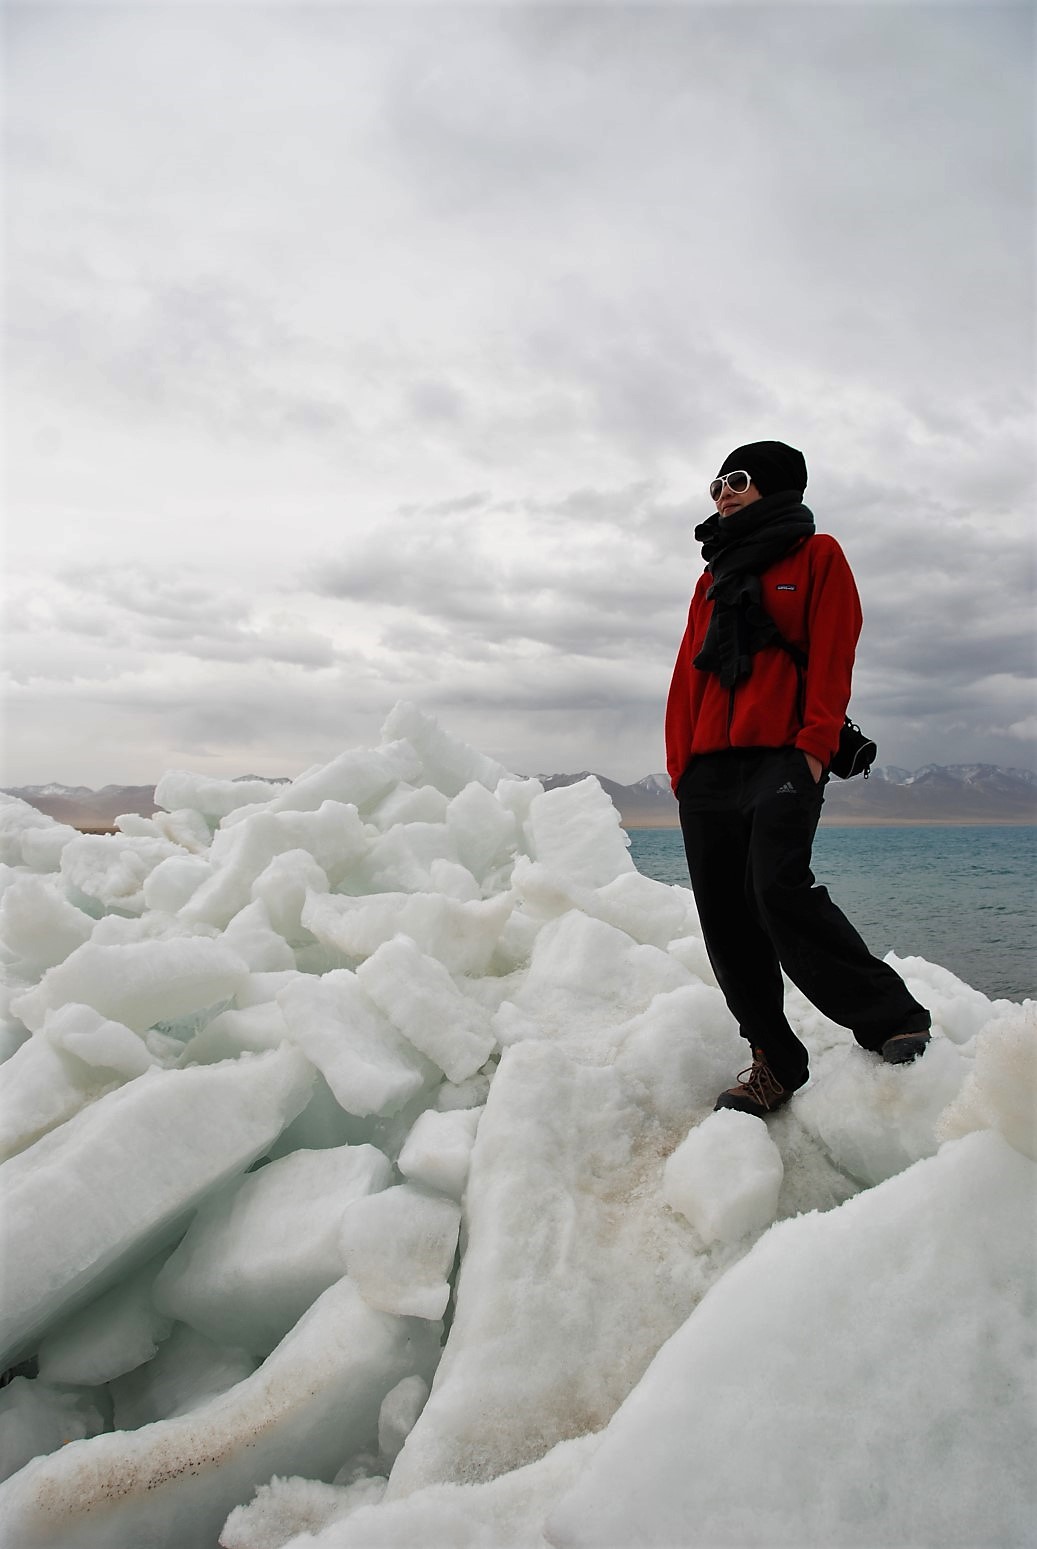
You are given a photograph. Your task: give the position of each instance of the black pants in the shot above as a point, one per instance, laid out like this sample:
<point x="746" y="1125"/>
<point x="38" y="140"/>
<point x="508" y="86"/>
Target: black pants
<point x="749" y="819"/>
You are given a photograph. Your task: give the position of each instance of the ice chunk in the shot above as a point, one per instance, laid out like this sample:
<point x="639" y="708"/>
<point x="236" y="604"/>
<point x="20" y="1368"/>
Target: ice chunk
<point x="584" y="976"/>
<point x="140" y="983"/>
<point x="399" y="1248"/>
<point x="183" y="827"/>
<point x="38" y="925"/>
<point x="958" y="1010"/>
<point x="187" y="1372"/>
<point x="76" y="1057"/>
<point x="323" y="1125"/>
<point x="691" y="952"/>
<point x="446" y="763"/>
<point x="120" y="930"/>
<point x="76" y="1215"/>
<point x="261" y="988"/>
<point x="12" y="1035"/>
<point x="418" y="995"/>
<point x="885" y="1310"/>
<point x="42" y="848"/>
<point x="137" y="826"/>
<point x="30" y="838"/>
<point x="649" y="911"/>
<point x="876" y="1119"/>
<point x="399" y="1415"/>
<point x="115" y="1333"/>
<point x="573" y="1275"/>
<point x="402" y="858"/>
<point x="42" y="1087"/>
<point x="465" y="1094"/>
<point x="282" y="886"/>
<point x="546" y="894"/>
<point x="174" y="881"/>
<point x="358" y="778"/>
<point x="313" y="1403"/>
<point x="682" y="1051"/>
<point x="455" y="880"/>
<point x="333" y="836"/>
<point x="518" y="795"/>
<point x="9" y="875"/>
<point x="112" y="868"/>
<point x="462" y="936"/>
<point x="37" y="1418"/>
<point x="231" y="1278"/>
<point x="438" y="1149"/>
<point x="366" y="1063"/>
<point x="1001" y="1090"/>
<point x="407" y="804"/>
<point x="214" y="799"/>
<point x="726" y="1176"/>
<point x="484" y="832"/>
<point x="250" y="936"/>
<point x="503" y="1513"/>
<point x="255" y="1027"/>
<point x="98" y="1041"/>
<point x="286" y="1508"/>
<point x="575" y="831"/>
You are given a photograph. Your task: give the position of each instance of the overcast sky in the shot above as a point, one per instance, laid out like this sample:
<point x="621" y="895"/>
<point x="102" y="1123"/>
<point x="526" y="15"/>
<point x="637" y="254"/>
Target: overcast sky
<point x="361" y="353"/>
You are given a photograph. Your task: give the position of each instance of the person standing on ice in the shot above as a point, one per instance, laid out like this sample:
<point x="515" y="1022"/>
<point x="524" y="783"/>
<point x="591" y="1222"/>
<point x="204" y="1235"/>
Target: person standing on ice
<point x="749" y="736"/>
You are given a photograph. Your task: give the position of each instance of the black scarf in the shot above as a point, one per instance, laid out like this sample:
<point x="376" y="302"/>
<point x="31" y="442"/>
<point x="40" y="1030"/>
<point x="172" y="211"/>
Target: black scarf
<point x="737" y="549"/>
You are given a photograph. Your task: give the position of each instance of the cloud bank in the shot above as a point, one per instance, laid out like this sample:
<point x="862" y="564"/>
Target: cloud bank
<point x="360" y="354"/>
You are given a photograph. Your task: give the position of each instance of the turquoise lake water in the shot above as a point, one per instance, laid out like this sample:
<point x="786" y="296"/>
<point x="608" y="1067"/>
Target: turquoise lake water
<point x="962" y="897"/>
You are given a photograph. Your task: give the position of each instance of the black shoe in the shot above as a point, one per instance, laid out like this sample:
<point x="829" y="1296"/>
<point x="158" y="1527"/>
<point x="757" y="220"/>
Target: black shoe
<point x="758" y="1092"/>
<point x="904" y="1047"/>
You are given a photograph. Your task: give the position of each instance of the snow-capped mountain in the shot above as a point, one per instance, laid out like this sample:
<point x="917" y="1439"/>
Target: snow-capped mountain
<point x="653" y="785"/>
<point x="892" y="773"/>
<point x="936" y="793"/>
<point x="981" y="775"/>
<point x="947" y="793"/>
<point x="53" y="789"/>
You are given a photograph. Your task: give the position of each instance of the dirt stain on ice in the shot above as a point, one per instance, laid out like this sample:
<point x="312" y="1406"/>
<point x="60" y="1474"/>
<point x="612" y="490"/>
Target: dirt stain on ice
<point x="97" y="1485"/>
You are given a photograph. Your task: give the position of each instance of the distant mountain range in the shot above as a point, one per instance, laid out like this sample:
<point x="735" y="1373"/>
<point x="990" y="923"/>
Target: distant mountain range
<point x="81" y="807"/>
<point x="937" y="793"/>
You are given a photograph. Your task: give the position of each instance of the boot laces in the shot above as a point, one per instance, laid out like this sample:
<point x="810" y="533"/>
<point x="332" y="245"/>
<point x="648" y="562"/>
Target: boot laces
<point x="760" y="1081"/>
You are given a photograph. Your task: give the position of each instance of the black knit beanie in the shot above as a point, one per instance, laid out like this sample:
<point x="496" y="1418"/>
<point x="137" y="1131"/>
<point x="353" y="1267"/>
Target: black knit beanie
<point x="771" y="465"/>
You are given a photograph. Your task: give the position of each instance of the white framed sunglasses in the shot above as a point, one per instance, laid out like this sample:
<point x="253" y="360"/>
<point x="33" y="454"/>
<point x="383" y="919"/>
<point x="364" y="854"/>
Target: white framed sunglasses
<point x="737" y="482"/>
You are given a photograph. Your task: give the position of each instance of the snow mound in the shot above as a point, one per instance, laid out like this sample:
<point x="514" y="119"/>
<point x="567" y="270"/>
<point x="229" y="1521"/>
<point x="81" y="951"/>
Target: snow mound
<point x="362" y="1188"/>
<point x="725" y="1178"/>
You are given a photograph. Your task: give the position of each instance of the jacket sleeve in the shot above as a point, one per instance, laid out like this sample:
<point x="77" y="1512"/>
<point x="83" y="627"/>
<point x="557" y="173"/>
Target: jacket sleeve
<point x="834" y="622"/>
<point x="678" y="713"/>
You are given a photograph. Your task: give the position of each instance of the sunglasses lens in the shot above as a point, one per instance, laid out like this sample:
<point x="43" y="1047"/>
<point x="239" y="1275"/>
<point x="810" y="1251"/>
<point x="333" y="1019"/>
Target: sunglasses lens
<point x="737" y="482"/>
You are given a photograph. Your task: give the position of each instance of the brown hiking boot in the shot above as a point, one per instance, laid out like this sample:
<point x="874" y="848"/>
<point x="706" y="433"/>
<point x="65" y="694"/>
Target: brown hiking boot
<point x="758" y="1091"/>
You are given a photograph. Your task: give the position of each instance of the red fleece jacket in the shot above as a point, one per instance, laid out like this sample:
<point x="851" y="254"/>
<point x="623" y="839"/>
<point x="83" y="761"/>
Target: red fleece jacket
<point x="811" y="596"/>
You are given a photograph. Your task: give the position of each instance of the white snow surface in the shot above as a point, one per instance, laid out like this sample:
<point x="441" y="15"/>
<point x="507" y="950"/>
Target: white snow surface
<point x="363" y="1190"/>
<point x="726" y="1177"/>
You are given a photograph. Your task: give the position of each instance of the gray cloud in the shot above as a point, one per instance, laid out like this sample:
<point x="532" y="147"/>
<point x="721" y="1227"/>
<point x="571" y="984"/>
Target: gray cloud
<point x="588" y="574"/>
<point x="99" y="622"/>
<point x="367" y="352"/>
